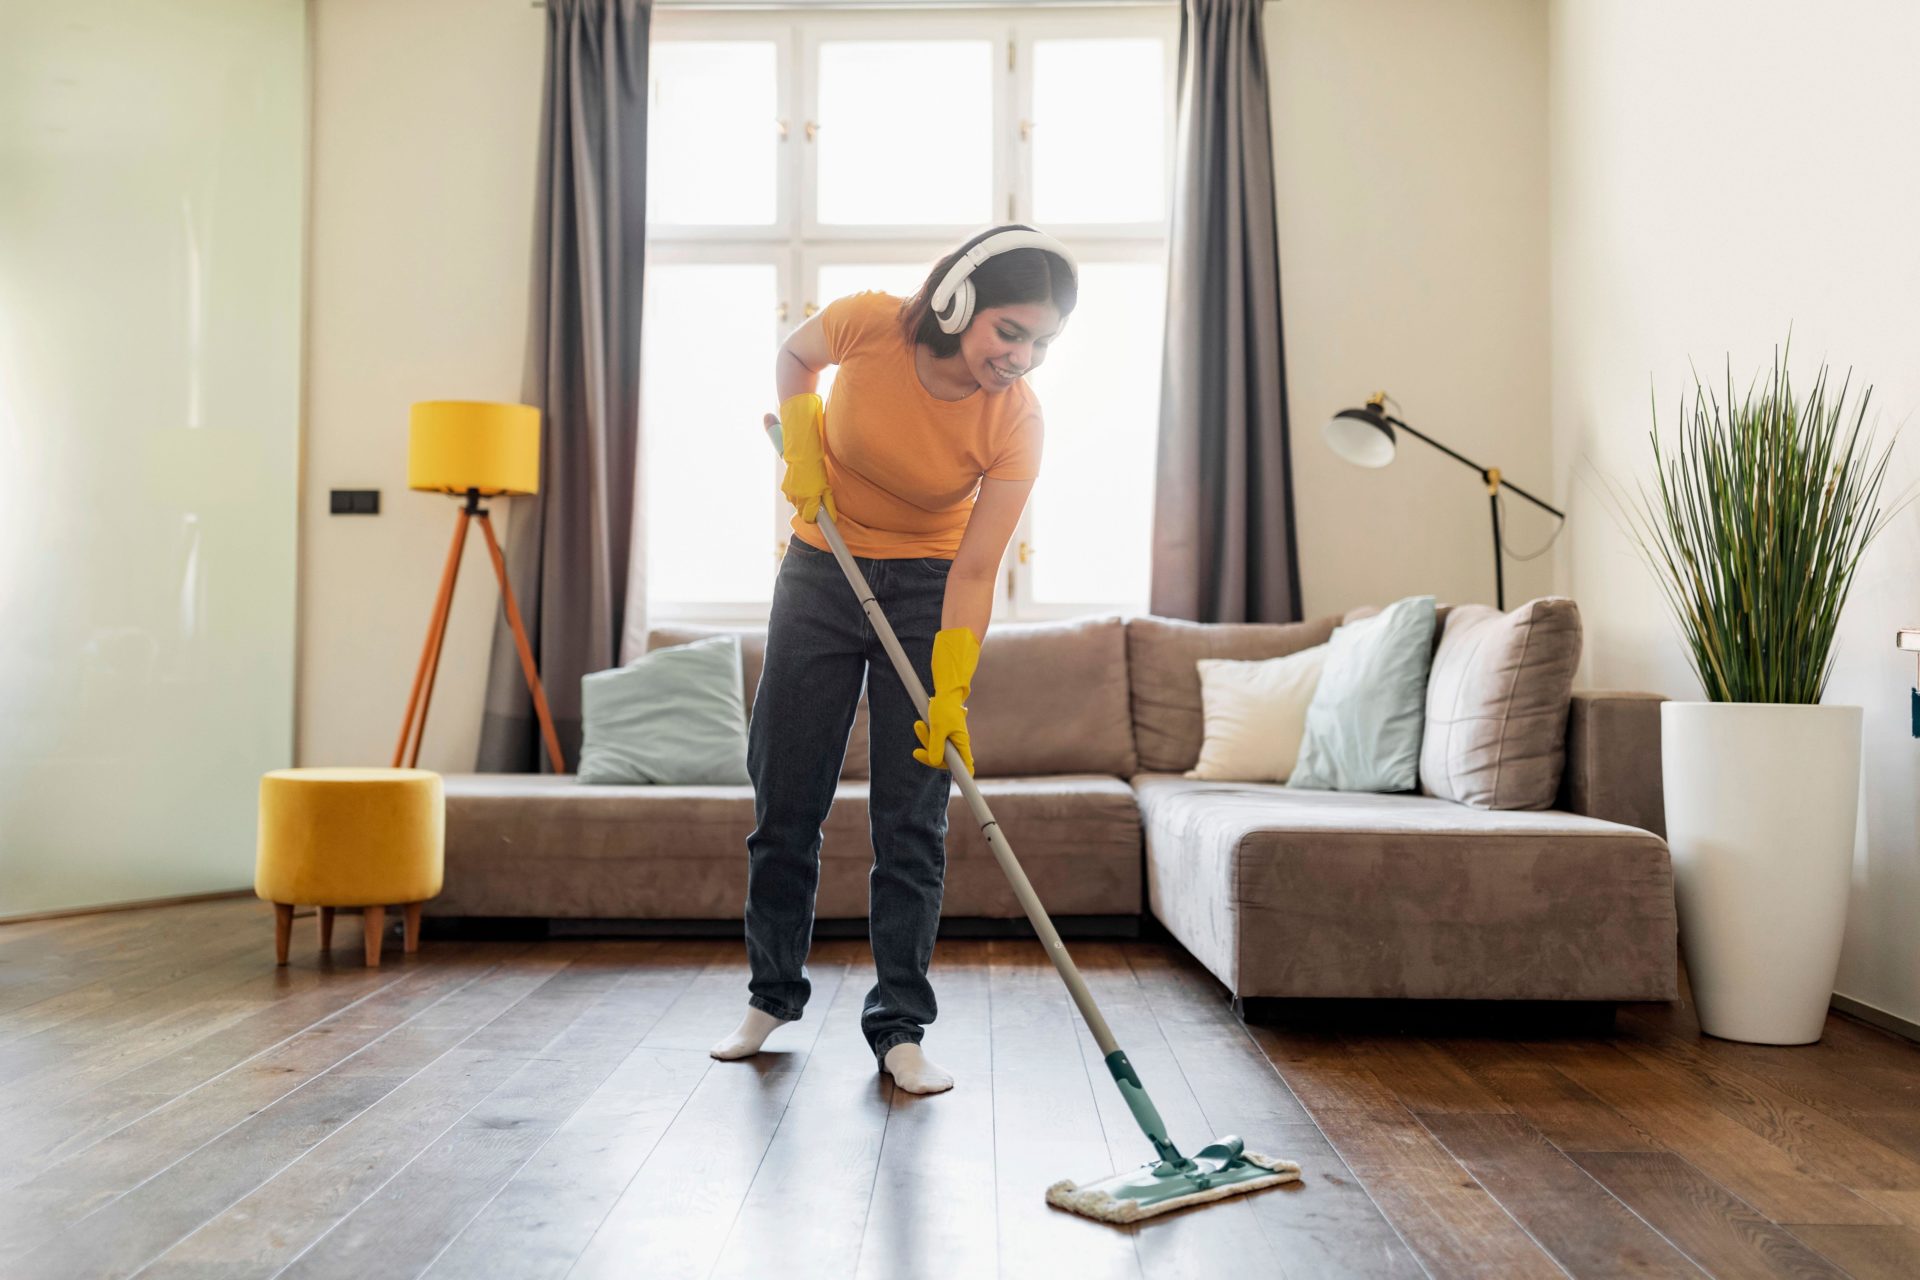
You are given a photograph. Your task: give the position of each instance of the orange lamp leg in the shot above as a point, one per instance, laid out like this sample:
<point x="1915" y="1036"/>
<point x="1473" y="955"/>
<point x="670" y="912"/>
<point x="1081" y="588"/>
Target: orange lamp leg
<point x="526" y="650"/>
<point x="423" y="676"/>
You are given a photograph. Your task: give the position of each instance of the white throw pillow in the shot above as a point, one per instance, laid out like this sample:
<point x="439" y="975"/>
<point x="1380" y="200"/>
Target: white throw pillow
<point x="1256" y="714"/>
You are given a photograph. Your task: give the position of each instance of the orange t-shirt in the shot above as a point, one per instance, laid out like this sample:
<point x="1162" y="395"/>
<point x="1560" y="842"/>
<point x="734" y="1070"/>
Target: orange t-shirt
<point x="904" y="466"/>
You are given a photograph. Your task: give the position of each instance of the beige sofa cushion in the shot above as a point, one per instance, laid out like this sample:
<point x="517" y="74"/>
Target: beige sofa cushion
<point x="1350" y="894"/>
<point x="1051" y="697"/>
<point x="1048" y="697"/>
<point x="541" y="845"/>
<point x="1497" y="704"/>
<point x="1169" y="721"/>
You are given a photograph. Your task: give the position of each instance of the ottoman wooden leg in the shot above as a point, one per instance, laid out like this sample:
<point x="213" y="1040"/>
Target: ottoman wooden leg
<point x="413" y="927"/>
<point x="282" y="930"/>
<point x="375" y="920"/>
<point x="326" y="930"/>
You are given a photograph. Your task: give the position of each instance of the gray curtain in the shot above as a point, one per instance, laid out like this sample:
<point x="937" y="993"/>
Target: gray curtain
<point x="1223" y="544"/>
<point x="571" y="547"/>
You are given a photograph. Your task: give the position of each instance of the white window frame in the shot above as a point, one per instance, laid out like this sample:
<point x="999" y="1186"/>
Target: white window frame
<point x="799" y="245"/>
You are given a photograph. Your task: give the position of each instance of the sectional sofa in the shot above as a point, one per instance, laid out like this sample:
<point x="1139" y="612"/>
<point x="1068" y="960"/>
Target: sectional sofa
<point x="1082" y="732"/>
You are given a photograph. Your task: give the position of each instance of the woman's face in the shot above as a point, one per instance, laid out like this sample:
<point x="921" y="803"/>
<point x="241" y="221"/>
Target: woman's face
<point x="1004" y="344"/>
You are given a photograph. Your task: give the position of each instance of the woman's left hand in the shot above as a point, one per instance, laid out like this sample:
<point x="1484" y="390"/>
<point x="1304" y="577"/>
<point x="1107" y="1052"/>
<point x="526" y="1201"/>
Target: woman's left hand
<point x="955" y="655"/>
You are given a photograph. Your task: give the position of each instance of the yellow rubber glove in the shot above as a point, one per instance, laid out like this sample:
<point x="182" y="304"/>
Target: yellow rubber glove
<point x="955" y="654"/>
<point x="800" y="444"/>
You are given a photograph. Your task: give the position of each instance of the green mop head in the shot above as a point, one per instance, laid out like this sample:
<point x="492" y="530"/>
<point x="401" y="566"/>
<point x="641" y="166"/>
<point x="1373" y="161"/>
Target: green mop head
<point x="1215" y="1172"/>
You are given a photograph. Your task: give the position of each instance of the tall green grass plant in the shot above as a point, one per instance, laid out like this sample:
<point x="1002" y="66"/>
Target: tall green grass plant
<point x="1755" y="524"/>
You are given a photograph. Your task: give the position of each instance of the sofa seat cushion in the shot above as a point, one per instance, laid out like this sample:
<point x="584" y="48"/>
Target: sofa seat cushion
<point x="1311" y="893"/>
<point x="544" y="845"/>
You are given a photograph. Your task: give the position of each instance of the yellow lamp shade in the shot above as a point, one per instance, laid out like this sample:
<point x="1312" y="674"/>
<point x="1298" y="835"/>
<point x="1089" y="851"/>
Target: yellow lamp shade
<point x="457" y="445"/>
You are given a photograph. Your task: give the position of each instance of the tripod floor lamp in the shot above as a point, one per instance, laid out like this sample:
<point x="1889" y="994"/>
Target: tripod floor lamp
<point x="475" y="450"/>
<point x="1365" y="437"/>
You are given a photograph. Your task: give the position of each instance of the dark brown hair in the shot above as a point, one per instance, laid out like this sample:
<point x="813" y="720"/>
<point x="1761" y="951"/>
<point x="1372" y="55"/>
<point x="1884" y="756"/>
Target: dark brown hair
<point x="1016" y="276"/>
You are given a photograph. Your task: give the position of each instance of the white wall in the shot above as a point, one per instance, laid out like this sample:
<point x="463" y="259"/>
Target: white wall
<point x="152" y="171"/>
<point x="1410" y="145"/>
<point x="1722" y="170"/>
<point x="425" y="131"/>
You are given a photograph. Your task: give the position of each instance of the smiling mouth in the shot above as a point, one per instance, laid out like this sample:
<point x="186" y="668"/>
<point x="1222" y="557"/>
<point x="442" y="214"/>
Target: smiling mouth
<point x="1002" y="373"/>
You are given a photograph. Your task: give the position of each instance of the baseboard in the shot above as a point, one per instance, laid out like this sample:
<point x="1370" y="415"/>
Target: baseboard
<point x="1086" y="928"/>
<point x="1877" y="1017"/>
<point x="178" y="900"/>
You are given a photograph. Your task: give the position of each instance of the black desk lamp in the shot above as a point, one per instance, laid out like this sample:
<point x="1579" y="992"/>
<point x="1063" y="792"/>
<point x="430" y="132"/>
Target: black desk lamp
<point x="1365" y="438"/>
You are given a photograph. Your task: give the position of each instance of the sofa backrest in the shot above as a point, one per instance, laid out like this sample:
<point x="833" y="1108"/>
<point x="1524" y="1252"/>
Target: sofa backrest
<point x="1051" y="697"/>
<point x="1168" y="723"/>
<point x="1048" y="698"/>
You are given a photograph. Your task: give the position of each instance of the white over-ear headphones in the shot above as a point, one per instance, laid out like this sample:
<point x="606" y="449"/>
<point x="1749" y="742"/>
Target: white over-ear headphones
<point x="952" y="302"/>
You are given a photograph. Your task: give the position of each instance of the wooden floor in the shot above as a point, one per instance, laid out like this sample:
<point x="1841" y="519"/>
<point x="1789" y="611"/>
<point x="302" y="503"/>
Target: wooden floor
<point x="173" y="1105"/>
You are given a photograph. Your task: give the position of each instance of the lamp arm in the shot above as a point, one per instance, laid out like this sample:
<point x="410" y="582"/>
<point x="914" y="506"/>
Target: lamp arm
<point x="1485" y="474"/>
<point x="1544" y="506"/>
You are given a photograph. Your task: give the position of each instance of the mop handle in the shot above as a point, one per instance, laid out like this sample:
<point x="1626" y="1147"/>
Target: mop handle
<point x="1002" y="851"/>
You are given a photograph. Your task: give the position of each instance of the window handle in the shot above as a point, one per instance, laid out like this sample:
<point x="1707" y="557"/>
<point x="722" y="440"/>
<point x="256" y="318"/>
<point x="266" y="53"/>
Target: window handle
<point x="1026" y="131"/>
<point x="781" y="308"/>
<point x="810" y="309"/>
<point x="1026" y="550"/>
<point x="812" y="130"/>
<point x="784" y="129"/>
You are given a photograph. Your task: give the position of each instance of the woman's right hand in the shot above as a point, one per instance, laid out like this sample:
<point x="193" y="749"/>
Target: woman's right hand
<point x="805" y="484"/>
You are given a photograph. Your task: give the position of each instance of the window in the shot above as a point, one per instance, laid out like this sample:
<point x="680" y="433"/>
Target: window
<point x="798" y="157"/>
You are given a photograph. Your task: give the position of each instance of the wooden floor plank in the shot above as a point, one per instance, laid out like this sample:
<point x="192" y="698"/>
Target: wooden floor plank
<point x="472" y="1043"/>
<point x="173" y="1104"/>
<point x="1576" y="1220"/>
<point x="1327" y="1224"/>
<point x="543" y="1217"/>
<point x="80" y="952"/>
<point x="1203" y="1241"/>
<point x="673" y="1217"/>
<point x="48" y="1203"/>
<point x="570" y="1050"/>
<point x="1446" y="1217"/>
<point x="1813" y="1140"/>
<point x="1723" y="1235"/>
<point x="809" y="1199"/>
<point x="127" y="1199"/>
<point x="120" y="985"/>
<point x="1564" y="1113"/>
<point x="61" y="1064"/>
<point x="934" y="1193"/>
<point x="1748" y="1165"/>
<point x="1798" y="1096"/>
<point x="60" y="1130"/>
<point x="1046" y="1124"/>
<point x="1866" y="1253"/>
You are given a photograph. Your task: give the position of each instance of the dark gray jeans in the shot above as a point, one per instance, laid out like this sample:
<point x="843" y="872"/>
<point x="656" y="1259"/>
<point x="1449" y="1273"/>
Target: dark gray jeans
<point x="820" y="647"/>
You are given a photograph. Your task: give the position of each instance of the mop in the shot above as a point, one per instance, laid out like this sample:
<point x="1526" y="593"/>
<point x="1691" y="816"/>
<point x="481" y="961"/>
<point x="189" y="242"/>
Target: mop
<point x="1173" y="1181"/>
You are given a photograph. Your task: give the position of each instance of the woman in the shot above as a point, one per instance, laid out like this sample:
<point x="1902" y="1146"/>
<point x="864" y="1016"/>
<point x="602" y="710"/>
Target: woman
<point x="925" y="464"/>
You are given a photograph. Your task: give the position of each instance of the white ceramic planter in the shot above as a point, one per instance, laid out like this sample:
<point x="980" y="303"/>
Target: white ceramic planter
<point x="1762" y="800"/>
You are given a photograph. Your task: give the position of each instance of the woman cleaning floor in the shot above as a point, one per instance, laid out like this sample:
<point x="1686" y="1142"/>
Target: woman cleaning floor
<point x="925" y="463"/>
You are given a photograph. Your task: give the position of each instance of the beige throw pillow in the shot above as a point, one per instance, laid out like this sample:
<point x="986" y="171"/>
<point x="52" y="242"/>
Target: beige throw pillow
<point x="1255" y="714"/>
<point x="1497" y="700"/>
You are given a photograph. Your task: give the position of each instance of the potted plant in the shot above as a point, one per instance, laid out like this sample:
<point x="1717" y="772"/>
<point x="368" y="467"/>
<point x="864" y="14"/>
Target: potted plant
<point x="1755" y="525"/>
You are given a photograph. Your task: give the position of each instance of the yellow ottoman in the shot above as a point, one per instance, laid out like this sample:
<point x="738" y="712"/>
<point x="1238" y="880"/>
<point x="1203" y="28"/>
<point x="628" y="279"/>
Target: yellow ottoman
<point x="366" y="838"/>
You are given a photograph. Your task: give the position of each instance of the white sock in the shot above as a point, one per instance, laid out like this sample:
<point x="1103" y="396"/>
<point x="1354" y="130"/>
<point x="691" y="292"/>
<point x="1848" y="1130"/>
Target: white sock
<point x="912" y="1072"/>
<point x="747" y="1037"/>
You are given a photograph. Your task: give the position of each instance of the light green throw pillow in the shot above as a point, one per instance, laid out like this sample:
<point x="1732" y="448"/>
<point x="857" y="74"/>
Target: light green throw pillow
<point x="1367" y="715"/>
<point x="676" y="715"/>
